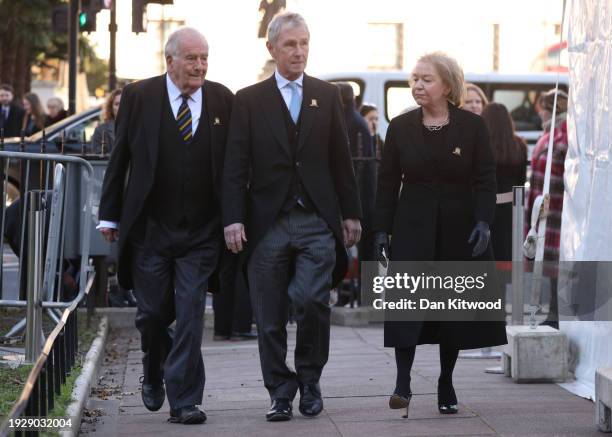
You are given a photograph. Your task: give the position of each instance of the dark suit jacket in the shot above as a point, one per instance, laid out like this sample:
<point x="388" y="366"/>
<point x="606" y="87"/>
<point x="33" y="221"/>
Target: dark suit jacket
<point x="259" y="164"/>
<point x="136" y="147"/>
<point x="12" y="126"/>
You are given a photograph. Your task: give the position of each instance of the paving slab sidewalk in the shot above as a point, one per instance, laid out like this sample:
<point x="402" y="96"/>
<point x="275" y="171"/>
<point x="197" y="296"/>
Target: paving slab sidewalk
<point x="356" y="383"/>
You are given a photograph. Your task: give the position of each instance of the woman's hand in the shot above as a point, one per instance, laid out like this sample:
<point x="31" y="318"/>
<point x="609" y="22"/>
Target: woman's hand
<point x="481" y="235"/>
<point x="381" y="243"/>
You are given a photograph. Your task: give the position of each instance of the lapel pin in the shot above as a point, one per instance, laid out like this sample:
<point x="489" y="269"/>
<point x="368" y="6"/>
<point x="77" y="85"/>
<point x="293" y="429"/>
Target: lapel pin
<point x="217" y="122"/>
<point x="457" y="151"/>
<point x="314" y="104"/>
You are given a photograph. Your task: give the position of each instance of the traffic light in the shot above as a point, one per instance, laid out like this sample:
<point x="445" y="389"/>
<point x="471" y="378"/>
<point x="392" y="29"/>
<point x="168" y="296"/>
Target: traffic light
<point x="87" y="15"/>
<point x="138" y="10"/>
<point x="269" y="8"/>
<point x="59" y="18"/>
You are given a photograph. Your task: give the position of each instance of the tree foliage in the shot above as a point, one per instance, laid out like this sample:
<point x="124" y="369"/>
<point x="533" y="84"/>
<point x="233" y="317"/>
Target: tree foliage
<point x="27" y="39"/>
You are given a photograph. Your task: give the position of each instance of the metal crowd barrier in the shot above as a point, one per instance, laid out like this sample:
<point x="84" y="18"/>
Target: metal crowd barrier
<point x="45" y="258"/>
<point x="50" y="370"/>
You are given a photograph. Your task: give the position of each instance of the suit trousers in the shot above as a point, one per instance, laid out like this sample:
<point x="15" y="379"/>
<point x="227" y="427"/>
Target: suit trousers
<point x="293" y="262"/>
<point x="171" y="268"/>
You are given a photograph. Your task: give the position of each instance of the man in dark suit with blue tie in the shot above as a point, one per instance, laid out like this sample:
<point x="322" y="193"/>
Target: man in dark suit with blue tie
<point x="170" y="134"/>
<point x="290" y="199"/>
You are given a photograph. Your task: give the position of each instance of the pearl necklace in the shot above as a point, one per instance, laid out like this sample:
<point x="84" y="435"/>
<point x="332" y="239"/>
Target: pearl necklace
<point x="437" y="127"/>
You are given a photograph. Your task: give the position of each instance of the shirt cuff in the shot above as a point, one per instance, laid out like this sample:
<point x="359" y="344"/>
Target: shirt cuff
<point x="107" y="224"/>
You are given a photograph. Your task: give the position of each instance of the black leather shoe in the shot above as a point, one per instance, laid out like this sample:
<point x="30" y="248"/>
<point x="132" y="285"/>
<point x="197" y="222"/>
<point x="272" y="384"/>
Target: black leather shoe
<point x="311" y="403"/>
<point x="447" y="399"/>
<point x="280" y="411"/>
<point x="187" y="415"/>
<point x="153" y="395"/>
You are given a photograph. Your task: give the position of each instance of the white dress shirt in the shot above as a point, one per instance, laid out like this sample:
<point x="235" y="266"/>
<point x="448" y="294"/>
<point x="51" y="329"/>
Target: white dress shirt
<point x="283" y="86"/>
<point x="175" y="99"/>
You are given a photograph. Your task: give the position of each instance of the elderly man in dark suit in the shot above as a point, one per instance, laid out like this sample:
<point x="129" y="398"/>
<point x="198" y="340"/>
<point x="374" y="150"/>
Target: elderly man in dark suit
<point x="11" y="114"/>
<point x="170" y="133"/>
<point x="289" y="189"/>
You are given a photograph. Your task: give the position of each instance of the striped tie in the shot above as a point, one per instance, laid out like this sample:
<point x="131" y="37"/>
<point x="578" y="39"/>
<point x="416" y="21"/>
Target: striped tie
<point x="184" y="120"/>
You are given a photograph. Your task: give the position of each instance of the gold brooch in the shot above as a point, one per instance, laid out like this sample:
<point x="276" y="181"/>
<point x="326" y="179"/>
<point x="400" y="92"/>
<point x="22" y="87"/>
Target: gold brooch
<point x="457" y="151"/>
<point x="314" y="104"/>
<point x="217" y="122"/>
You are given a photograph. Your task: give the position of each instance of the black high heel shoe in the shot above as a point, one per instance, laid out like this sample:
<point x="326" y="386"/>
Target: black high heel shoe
<point x="398" y="402"/>
<point x="447" y="399"/>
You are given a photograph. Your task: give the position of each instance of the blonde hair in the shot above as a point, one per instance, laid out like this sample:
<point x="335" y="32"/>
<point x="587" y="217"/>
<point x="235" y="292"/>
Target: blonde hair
<point x="451" y="74"/>
<point x="479" y="91"/>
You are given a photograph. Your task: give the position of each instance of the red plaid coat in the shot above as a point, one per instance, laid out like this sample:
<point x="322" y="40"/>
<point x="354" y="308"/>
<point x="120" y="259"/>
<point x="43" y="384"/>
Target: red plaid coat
<point x="538" y="168"/>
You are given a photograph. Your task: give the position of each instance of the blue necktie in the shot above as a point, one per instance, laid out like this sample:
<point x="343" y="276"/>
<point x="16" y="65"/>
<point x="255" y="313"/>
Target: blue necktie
<point x="296" y="102"/>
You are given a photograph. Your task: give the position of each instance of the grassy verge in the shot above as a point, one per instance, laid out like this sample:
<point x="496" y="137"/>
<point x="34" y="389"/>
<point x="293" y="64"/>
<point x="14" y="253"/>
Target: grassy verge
<point x="12" y="380"/>
<point x="11" y="384"/>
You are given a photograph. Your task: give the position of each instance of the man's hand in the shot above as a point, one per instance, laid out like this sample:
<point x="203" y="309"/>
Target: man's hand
<point x="110" y="234"/>
<point x="351" y="228"/>
<point x="234" y="237"/>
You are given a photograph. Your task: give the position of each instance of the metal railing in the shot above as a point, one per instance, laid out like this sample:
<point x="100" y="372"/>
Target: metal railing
<point x="44" y="286"/>
<point x="50" y="369"/>
<point x="43" y="213"/>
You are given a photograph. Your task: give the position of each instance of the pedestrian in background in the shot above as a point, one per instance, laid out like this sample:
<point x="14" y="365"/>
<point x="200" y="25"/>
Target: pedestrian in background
<point x="105" y="131"/>
<point x="34" y="117"/>
<point x="510" y="154"/>
<point x="439" y="155"/>
<point x="369" y="111"/>
<point x="55" y="110"/>
<point x="232" y="306"/>
<point x="475" y="99"/>
<point x="11" y="113"/>
<point x="364" y="166"/>
<point x="539" y="158"/>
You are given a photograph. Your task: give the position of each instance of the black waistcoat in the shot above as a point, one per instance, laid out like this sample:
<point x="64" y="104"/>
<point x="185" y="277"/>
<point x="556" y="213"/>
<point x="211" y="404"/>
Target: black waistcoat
<point x="297" y="194"/>
<point x="183" y="191"/>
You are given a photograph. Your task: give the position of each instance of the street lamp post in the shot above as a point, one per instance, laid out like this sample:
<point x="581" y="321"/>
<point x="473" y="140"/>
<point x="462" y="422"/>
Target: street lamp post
<point x="73" y="50"/>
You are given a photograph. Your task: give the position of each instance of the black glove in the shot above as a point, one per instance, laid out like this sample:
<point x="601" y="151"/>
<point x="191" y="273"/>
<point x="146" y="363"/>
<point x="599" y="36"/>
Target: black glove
<point x="481" y="235"/>
<point x="381" y="243"/>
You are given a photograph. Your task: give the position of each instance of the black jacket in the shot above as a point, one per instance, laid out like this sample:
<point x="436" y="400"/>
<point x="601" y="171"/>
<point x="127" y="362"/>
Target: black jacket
<point x="12" y="126"/>
<point x="450" y="194"/>
<point x="259" y="164"/>
<point x="136" y="148"/>
<point x="443" y="194"/>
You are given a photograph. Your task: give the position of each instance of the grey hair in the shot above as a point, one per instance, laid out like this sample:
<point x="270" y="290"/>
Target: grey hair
<point x="57" y="100"/>
<point x="291" y="19"/>
<point x="172" y="45"/>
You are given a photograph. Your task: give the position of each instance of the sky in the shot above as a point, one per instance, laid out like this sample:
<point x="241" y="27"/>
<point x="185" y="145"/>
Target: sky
<point x="346" y="35"/>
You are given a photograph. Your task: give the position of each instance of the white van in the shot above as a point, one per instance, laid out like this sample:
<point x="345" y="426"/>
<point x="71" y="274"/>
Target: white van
<point x="390" y="92"/>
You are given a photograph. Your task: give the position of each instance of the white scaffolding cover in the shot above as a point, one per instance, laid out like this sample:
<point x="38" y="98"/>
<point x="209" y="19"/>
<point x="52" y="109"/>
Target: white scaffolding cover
<point x="586" y="233"/>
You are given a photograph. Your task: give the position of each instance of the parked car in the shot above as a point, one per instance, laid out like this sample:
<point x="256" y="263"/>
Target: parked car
<point x="76" y="131"/>
<point x="390" y="92"/>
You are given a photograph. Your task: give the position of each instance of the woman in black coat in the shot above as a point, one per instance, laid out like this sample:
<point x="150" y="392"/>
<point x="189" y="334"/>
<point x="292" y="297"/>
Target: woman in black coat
<point x="440" y="157"/>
